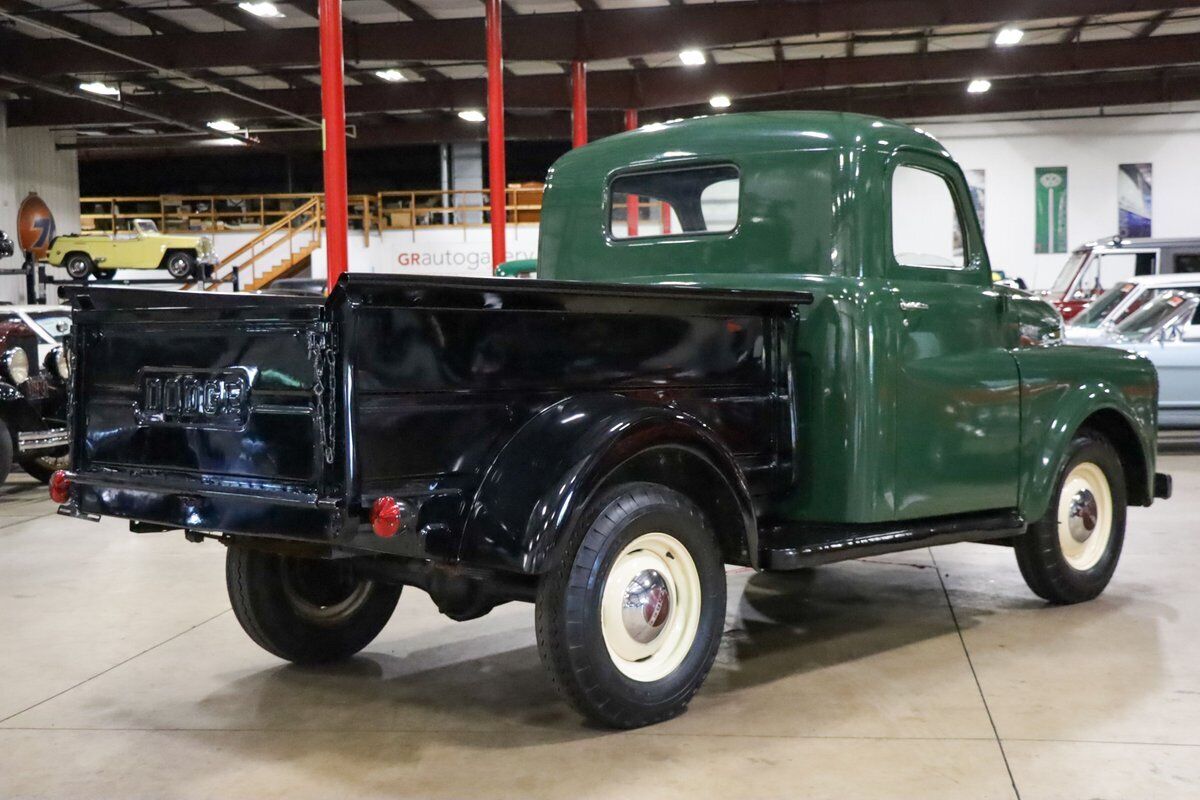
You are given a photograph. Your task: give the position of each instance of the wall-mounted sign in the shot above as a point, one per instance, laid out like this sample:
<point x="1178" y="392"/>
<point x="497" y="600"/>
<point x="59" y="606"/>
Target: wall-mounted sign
<point x="1050" y="186"/>
<point x="1134" y="214"/>
<point x="35" y="226"/>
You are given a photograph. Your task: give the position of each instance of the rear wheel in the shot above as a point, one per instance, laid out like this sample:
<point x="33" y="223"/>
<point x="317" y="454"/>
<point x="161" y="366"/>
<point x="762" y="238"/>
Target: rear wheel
<point x="181" y="265"/>
<point x="305" y="610"/>
<point x="630" y="618"/>
<point x="1070" y="554"/>
<point x="79" y="265"/>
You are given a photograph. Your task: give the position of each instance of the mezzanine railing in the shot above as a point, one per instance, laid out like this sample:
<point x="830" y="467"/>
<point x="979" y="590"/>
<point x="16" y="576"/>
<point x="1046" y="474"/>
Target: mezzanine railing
<point x="382" y="211"/>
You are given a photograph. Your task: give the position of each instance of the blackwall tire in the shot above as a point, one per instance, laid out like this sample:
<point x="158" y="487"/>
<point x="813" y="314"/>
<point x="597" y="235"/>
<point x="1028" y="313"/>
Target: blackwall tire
<point x="630" y="616"/>
<point x="1070" y="554"/>
<point x="79" y="266"/>
<point x="308" y="611"/>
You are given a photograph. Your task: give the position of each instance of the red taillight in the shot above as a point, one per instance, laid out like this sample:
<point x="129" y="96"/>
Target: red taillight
<point x="60" y="487"/>
<point x="386" y="517"/>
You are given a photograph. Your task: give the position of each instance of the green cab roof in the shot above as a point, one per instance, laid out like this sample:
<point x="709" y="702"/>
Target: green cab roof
<point x="744" y="134"/>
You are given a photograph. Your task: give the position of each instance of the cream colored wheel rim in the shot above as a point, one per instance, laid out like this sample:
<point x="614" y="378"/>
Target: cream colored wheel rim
<point x="650" y="607"/>
<point x="1085" y="516"/>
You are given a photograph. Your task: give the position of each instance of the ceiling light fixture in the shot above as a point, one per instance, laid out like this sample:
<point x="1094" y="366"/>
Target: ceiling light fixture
<point x="226" y="142"/>
<point x="719" y="101"/>
<point x="471" y="115"/>
<point x="692" y="58"/>
<point x="98" y="87"/>
<point x="1007" y="37"/>
<point x="979" y="86"/>
<point x="143" y="131"/>
<point x="391" y="75"/>
<point x="261" y="9"/>
<point x="223" y="125"/>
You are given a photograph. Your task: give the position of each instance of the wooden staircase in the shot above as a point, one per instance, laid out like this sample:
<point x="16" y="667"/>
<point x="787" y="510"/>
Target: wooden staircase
<point x="295" y="236"/>
<point x="293" y="264"/>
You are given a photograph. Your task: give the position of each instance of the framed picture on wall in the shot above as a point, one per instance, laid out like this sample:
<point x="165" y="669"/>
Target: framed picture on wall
<point x="1050" y="209"/>
<point x="1134" y="207"/>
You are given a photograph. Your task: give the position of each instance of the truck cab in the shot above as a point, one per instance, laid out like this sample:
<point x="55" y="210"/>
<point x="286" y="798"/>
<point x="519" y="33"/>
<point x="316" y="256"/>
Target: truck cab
<point x="769" y="340"/>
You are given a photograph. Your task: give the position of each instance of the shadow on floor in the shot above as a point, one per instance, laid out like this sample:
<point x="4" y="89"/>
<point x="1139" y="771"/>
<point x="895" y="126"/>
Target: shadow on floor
<point x="778" y="626"/>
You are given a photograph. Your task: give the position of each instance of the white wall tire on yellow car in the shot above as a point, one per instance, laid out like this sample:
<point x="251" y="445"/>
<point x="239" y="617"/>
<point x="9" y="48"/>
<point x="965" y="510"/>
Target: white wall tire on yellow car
<point x="650" y="607"/>
<point x="630" y="613"/>
<point x="1071" y="553"/>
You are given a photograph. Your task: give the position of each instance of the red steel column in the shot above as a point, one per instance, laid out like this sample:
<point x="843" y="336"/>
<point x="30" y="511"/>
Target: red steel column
<point x="333" y="138"/>
<point x="495" y="97"/>
<point x="579" y="129"/>
<point x="632" y="211"/>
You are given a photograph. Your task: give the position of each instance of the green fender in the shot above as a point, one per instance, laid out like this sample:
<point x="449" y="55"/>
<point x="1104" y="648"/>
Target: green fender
<point x="1060" y="393"/>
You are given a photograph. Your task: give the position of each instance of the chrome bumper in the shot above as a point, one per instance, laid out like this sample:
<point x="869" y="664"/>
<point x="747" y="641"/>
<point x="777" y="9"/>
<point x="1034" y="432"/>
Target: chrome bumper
<point x="28" y="441"/>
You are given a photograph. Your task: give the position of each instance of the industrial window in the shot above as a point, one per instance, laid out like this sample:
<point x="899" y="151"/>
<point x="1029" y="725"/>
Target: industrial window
<point x="926" y="231"/>
<point x="675" y="202"/>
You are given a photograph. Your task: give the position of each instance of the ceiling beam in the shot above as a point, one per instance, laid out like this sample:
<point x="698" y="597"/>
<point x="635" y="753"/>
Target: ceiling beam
<point x="564" y="36"/>
<point x="411" y="9"/>
<point x="1073" y="33"/>
<point x="924" y="102"/>
<point x="1153" y="24"/>
<point x="666" y="87"/>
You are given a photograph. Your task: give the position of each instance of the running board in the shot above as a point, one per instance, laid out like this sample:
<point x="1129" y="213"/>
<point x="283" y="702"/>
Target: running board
<point x="795" y="545"/>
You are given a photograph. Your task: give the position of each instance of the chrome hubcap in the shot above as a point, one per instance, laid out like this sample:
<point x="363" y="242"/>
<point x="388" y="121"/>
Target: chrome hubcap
<point x="1082" y="516"/>
<point x="646" y="606"/>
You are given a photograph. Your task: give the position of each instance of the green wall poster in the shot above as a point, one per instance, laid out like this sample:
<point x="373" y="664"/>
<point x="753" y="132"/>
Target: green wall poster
<point x="1050" y="185"/>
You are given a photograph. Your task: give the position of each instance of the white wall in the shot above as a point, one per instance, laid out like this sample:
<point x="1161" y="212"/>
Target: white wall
<point x="1091" y="149"/>
<point x="465" y="251"/>
<point x="30" y="163"/>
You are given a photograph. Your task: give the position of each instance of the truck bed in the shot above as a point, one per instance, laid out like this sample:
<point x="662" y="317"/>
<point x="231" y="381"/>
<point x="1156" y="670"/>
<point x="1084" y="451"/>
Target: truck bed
<point x="288" y="416"/>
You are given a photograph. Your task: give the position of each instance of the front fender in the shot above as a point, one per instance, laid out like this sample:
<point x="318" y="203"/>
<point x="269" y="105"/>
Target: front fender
<point x="544" y="476"/>
<point x="1062" y="387"/>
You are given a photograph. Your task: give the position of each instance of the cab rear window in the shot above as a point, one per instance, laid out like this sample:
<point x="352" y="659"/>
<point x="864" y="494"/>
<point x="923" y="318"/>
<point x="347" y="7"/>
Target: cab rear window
<point x="674" y="202"/>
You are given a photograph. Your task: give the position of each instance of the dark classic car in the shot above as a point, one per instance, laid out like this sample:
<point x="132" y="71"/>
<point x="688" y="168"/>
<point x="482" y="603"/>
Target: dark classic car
<point x="770" y="340"/>
<point x="33" y="385"/>
<point x="34" y="370"/>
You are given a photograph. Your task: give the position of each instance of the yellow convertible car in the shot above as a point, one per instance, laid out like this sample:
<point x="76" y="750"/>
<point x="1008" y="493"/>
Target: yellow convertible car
<point x="143" y="247"/>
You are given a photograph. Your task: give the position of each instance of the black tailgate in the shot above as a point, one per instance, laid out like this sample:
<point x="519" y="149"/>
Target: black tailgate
<point x="222" y="389"/>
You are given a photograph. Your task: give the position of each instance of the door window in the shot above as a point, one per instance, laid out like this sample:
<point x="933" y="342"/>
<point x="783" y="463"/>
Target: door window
<point x="926" y="229"/>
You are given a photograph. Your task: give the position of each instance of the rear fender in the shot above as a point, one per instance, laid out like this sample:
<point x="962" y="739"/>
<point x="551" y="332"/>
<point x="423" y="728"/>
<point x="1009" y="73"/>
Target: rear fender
<point x="543" y="478"/>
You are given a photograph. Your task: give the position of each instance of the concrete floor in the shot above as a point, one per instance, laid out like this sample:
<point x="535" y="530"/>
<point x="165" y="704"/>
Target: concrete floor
<point x="931" y="674"/>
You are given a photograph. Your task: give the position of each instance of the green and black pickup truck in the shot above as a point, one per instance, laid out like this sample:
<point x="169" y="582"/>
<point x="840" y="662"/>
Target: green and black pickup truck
<point x="769" y="340"/>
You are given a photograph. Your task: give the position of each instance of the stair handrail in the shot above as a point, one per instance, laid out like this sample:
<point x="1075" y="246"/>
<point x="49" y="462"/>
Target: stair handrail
<point x="313" y="225"/>
<point x="312" y="206"/>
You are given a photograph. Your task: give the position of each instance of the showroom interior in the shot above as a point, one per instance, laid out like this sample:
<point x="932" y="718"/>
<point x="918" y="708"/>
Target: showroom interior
<point x="774" y="398"/>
